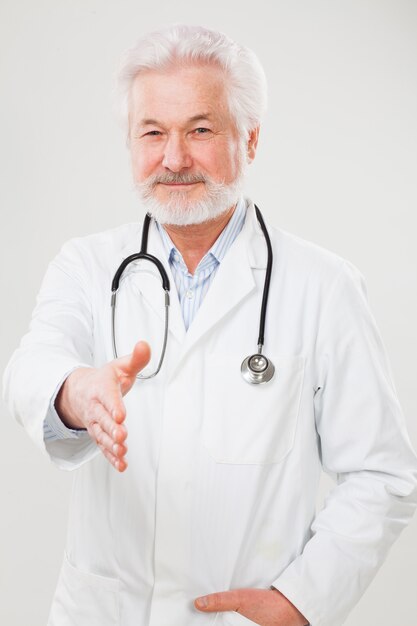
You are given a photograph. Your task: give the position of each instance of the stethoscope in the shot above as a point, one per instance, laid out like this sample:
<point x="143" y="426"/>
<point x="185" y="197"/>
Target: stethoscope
<point x="256" y="368"/>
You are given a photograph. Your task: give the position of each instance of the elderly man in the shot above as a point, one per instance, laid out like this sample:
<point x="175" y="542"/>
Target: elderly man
<point x="214" y="521"/>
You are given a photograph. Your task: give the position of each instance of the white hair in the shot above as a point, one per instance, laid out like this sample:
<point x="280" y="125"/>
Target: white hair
<point x="180" y="45"/>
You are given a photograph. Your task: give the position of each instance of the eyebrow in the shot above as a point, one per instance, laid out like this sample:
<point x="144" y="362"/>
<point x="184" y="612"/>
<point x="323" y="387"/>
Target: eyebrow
<point x="194" y="118"/>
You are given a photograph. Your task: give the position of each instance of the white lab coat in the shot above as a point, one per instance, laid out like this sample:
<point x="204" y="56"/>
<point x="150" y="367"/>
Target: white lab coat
<point x="221" y="487"/>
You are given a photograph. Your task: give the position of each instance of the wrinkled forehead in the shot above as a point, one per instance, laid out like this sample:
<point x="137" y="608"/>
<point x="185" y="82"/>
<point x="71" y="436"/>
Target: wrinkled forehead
<point x="180" y="92"/>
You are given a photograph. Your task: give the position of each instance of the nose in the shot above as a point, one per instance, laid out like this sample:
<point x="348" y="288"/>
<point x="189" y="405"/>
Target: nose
<point x="176" y="154"/>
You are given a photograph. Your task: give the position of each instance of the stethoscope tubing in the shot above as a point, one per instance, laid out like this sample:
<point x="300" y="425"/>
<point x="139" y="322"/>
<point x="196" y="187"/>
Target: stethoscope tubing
<point x="268" y="273"/>
<point x="256" y="368"/>
<point x="142" y="255"/>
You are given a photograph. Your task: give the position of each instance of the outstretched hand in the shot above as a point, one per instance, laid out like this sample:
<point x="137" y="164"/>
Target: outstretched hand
<point x="266" y="607"/>
<point x="91" y="398"/>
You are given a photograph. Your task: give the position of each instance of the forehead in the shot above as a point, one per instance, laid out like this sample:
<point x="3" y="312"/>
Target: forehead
<point x="179" y="93"/>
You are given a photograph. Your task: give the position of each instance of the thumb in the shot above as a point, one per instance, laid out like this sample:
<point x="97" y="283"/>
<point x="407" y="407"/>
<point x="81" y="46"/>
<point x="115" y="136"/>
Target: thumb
<point x="220" y="601"/>
<point x="130" y="365"/>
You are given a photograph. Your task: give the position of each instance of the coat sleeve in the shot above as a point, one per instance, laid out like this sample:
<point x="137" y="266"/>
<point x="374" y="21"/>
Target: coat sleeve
<point x="365" y="446"/>
<point x="59" y="340"/>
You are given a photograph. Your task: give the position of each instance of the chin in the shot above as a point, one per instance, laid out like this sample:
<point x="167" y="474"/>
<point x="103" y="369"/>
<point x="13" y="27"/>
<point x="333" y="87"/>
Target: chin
<point x="177" y="212"/>
<point x="184" y="198"/>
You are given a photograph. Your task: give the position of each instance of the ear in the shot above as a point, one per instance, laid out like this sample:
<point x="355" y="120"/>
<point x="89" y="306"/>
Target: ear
<point x="252" y="144"/>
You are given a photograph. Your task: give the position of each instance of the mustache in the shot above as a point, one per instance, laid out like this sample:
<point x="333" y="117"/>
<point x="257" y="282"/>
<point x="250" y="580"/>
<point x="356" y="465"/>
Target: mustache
<point x="175" y="177"/>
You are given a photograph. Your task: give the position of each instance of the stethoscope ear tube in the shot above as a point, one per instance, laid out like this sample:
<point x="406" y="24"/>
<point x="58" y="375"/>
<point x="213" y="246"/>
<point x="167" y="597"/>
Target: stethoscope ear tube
<point x="142" y="255"/>
<point x="165" y="341"/>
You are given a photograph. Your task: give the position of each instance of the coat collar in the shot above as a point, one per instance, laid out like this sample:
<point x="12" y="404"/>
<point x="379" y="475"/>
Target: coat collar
<point x="233" y="282"/>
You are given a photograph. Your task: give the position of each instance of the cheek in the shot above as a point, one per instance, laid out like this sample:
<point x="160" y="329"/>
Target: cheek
<point x="143" y="163"/>
<point x="214" y="160"/>
<point x="224" y="162"/>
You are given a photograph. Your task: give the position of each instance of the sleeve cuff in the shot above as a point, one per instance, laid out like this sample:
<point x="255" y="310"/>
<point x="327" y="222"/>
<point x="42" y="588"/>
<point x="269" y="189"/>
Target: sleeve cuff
<point x="290" y="587"/>
<point x="53" y="427"/>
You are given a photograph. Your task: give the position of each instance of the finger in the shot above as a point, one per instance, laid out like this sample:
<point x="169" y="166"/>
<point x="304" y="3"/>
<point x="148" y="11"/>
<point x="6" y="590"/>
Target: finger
<point x="132" y="364"/>
<point x="119" y="464"/>
<point x="220" y="601"/>
<point x="116" y="431"/>
<point x="105" y="441"/>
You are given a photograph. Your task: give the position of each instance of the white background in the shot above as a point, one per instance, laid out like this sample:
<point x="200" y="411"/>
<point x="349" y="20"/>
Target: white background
<point x="336" y="165"/>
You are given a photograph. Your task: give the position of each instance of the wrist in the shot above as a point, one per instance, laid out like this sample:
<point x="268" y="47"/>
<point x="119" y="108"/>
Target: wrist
<point x="64" y="403"/>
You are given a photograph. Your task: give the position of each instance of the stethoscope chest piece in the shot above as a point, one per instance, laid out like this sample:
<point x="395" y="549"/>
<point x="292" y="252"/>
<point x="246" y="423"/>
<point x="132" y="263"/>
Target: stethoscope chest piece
<point x="257" y="369"/>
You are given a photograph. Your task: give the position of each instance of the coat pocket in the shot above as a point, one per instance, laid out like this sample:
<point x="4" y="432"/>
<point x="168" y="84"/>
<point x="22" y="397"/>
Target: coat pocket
<point x="232" y="618"/>
<point x="250" y="424"/>
<point x="84" y="599"/>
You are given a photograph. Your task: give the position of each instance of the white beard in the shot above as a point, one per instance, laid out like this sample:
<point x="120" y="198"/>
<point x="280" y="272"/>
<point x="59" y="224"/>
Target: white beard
<point x="178" y="210"/>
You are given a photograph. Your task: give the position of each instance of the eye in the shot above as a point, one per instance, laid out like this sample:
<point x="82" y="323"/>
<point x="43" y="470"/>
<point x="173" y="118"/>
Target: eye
<point x="202" y="134"/>
<point x="153" y="133"/>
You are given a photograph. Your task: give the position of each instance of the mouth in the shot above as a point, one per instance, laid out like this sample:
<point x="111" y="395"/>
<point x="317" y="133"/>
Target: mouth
<point x="179" y="185"/>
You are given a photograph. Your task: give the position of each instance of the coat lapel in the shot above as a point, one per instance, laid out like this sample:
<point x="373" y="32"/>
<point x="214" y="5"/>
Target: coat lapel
<point x="234" y="280"/>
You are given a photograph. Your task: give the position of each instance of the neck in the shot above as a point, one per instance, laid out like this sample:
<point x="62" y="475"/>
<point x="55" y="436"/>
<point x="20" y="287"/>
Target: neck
<point x="195" y="240"/>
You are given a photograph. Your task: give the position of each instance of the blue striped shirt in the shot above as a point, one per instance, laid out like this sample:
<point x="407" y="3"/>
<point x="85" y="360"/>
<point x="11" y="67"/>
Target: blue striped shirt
<point x="191" y="289"/>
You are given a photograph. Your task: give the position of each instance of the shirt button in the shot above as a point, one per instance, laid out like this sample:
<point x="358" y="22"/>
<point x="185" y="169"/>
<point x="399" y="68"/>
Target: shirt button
<point x="176" y="257"/>
<point x="189" y="293"/>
